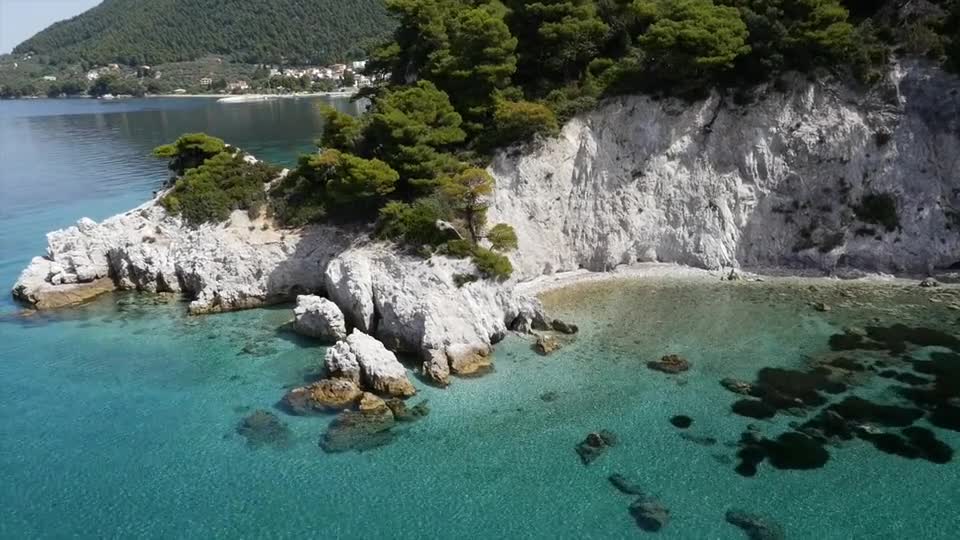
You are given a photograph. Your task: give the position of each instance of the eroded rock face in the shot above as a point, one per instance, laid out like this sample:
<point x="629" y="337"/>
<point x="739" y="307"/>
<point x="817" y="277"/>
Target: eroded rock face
<point x="362" y="357"/>
<point x="323" y="396"/>
<point x="772" y="183"/>
<point x="319" y="318"/>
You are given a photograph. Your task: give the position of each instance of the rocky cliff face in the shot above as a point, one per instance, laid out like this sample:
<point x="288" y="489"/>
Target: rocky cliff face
<point x="411" y="304"/>
<point x="798" y="178"/>
<point x="816" y="175"/>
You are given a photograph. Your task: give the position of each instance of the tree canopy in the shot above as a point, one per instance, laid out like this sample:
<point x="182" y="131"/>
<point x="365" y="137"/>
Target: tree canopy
<point x="139" y="32"/>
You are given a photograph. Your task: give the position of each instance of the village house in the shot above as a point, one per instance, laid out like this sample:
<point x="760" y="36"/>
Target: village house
<point x="50" y="78"/>
<point x="238" y="86"/>
<point x="206" y="81"/>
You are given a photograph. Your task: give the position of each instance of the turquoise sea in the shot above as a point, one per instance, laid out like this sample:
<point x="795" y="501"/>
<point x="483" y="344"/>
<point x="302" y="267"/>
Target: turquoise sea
<point x="117" y="418"/>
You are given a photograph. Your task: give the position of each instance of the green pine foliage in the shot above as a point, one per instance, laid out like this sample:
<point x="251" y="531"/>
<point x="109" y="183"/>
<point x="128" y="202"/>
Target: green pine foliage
<point x="223" y="183"/>
<point x="136" y="32"/>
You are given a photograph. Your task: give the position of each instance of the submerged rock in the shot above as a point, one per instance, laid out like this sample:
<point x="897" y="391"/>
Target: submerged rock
<point x="547" y="345"/>
<point x="754" y="408"/>
<point x="651" y="515"/>
<point x="671" y="364"/>
<point x="739" y="387"/>
<point x="625" y="485"/>
<point x="323" y="396"/>
<point x="564" y="328"/>
<point x="404" y="414"/>
<point x="755" y="526"/>
<point x="681" y="421"/>
<point x="319" y="318"/>
<point x="264" y="428"/>
<point x="359" y="431"/>
<point x="595" y="445"/>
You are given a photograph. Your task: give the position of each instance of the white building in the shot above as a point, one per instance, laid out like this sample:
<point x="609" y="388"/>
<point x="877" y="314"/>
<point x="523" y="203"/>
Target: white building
<point x="206" y="81"/>
<point x="93" y="75"/>
<point x="359" y="65"/>
<point x="50" y="78"/>
<point x="238" y="86"/>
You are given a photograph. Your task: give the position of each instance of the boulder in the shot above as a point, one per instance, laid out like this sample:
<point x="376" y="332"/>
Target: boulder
<point x="929" y="283"/>
<point x="380" y="371"/>
<point x="319" y="318"/>
<point x="469" y="359"/>
<point x="755" y="526"/>
<point x="349" y="282"/>
<point x="342" y="363"/>
<point x="547" y="344"/>
<point x="736" y="386"/>
<point x="372" y="403"/>
<point x="651" y="514"/>
<point x="671" y="364"/>
<point x="322" y="396"/>
<point x="595" y="445"/>
<point x="437" y="367"/>
<point x="264" y="428"/>
<point x="564" y="328"/>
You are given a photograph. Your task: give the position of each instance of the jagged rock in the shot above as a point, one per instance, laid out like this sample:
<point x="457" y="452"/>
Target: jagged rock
<point x="319" y="318"/>
<point x="437" y="367"/>
<point x="738" y="387"/>
<point x="547" y="344"/>
<point x="564" y="328"/>
<point x="625" y="485"/>
<point x="929" y="283"/>
<point x="380" y="371"/>
<point x="404" y="414"/>
<point x="469" y="359"/>
<point x="755" y="526"/>
<point x="821" y="307"/>
<point x="341" y="362"/>
<point x="530" y="317"/>
<point x="262" y="428"/>
<point x="322" y="396"/>
<point x="671" y="364"/>
<point x="651" y="515"/>
<point x="734" y="275"/>
<point x="359" y="431"/>
<point x="595" y="445"/>
<point x="349" y="282"/>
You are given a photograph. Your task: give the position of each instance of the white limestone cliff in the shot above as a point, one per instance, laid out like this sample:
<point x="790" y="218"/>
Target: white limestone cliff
<point x="771" y="183"/>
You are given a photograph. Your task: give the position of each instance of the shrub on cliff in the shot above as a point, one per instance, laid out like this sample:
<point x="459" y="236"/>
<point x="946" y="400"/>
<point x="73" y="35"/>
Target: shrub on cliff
<point x="222" y="184"/>
<point x="519" y="121"/>
<point x="879" y="209"/>
<point x="332" y="183"/>
<point x="502" y="237"/>
<point x="413" y="223"/>
<point x="189" y="151"/>
<point x="492" y="265"/>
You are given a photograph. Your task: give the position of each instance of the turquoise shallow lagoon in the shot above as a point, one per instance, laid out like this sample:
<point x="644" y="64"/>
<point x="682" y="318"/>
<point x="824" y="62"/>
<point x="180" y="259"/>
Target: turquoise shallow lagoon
<point x="117" y="419"/>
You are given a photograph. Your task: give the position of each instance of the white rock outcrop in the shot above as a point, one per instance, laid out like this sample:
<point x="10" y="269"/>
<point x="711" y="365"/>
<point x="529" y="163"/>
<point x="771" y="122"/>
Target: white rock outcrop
<point x="776" y="182"/>
<point x="380" y="371"/>
<point x="319" y="318"/>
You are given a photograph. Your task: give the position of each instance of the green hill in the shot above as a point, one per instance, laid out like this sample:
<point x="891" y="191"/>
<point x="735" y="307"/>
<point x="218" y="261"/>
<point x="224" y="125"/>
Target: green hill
<point x="254" y="31"/>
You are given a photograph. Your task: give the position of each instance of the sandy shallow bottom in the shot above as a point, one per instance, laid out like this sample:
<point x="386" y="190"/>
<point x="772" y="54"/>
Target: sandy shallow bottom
<point x="118" y="420"/>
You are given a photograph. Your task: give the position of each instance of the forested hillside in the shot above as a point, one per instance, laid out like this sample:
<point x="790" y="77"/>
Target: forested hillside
<point x="253" y="31"/>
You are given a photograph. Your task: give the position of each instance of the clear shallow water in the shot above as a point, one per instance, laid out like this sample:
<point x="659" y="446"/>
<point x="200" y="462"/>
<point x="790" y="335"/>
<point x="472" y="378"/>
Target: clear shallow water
<point x="117" y="418"/>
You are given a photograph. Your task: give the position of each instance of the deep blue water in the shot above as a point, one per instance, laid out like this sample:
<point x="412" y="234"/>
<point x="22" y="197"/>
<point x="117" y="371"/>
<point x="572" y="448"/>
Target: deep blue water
<point x="117" y="418"/>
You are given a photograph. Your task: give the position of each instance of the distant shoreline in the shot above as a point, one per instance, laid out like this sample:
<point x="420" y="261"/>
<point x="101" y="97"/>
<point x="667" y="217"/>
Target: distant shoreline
<point x="242" y="98"/>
